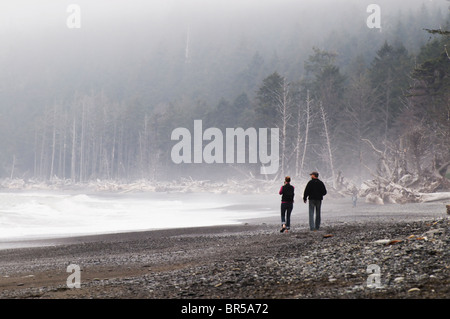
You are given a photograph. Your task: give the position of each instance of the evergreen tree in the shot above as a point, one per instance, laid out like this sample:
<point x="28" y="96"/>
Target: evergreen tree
<point x="429" y="101"/>
<point x="389" y="75"/>
<point x="267" y="100"/>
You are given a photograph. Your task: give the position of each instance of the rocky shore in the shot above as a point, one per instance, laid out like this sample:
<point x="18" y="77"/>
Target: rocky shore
<point x="380" y="259"/>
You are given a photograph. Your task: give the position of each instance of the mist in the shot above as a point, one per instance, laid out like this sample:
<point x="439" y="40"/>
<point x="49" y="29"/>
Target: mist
<point x="100" y="100"/>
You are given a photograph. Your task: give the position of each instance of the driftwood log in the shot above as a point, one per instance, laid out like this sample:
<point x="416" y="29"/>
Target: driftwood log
<point x="393" y="183"/>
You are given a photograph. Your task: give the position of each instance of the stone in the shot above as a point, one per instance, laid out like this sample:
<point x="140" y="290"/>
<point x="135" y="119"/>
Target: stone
<point x="395" y="241"/>
<point x="413" y="290"/>
<point x="382" y="241"/>
<point x="433" y="232"/>
<point x="399" y="279"/>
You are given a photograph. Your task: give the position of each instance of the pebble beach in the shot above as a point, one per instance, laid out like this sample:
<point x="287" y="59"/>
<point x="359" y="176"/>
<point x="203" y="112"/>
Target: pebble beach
<point x="404" y="257"/>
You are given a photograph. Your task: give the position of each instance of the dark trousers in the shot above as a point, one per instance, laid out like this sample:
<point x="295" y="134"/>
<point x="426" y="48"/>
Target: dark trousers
<point x="286" y="209"/>
<point x="314" y="205"/>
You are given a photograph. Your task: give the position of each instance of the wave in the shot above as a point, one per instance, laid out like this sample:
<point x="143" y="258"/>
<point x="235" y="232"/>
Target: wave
<point x="49" y="215"/>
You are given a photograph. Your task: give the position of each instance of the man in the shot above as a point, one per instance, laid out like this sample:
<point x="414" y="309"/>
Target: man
<point x="287" y="203"/>
<point x="314" y="191"/>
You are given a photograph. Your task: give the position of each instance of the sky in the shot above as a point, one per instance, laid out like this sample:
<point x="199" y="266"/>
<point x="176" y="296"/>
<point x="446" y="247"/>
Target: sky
<point x="38" y="33"/>
<point x="29" y="15"/>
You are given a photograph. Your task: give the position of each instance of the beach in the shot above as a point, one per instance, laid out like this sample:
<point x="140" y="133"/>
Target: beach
<point x="352" y="256"/>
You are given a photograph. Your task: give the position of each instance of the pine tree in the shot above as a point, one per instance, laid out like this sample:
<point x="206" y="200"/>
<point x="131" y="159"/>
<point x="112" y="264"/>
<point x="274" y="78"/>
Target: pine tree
<point x="389" y="75"/>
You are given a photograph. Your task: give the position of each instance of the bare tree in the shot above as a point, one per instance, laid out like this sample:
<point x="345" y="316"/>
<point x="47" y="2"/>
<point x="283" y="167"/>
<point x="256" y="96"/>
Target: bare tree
<point x="13" y="166"/>
<point x="82" y="139"/>
<point x="301" y="162"/>
<point x="284" y="109"/>
<point x="73" y="152"/>
<point x="53" y="143"/>
<point x="328" y="143"/>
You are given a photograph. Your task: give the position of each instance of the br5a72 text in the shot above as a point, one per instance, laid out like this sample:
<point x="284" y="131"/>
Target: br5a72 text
<point x="246" y="308"/>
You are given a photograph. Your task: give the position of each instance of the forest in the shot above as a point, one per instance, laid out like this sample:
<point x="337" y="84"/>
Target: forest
<point x="353" y="102"/>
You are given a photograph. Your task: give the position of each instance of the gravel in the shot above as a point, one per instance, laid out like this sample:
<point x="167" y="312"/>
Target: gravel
<point x="402" y="258"/>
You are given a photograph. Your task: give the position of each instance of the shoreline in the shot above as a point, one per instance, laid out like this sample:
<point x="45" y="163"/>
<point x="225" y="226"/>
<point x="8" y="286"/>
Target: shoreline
<point x="331" y="215"/>
<point x="335" y="211"/>
<point x="112" y="236"/>
<point x="245" y="261"/>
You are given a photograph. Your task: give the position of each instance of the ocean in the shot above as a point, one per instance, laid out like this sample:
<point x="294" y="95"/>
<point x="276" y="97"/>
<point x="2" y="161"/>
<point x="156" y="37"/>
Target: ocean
<point x="51" y="214"/>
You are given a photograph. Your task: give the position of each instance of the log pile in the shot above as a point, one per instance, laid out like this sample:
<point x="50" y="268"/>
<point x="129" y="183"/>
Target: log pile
<point x="393" y="182"/>
<point x="183" y="185"/>
<point x="407" y="190"/>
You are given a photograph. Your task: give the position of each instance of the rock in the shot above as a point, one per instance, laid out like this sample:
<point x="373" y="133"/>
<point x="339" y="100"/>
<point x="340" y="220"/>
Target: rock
<point x="433" y="232"/>
<point x="382" y="241"/>
<point x="399" y="279"/>
<point x="413" y="290"/>
<point x="387" y="241"/>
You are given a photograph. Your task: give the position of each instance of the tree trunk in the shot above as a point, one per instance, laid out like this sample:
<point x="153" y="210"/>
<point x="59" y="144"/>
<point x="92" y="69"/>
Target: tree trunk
<point x="308" y="120"/>
<point x="74" y="156"/>
<point x="42" y="156"/>
<point x="284" y="110"/>
<point x="64" y="151"/>
<point x="328" y="142"/>
<point x="285" y="118"/>
<point x="52" y="165"/>
<point x="298" y="142"/>
<point x="13" y="166"/>
<point x="82" y="141"/>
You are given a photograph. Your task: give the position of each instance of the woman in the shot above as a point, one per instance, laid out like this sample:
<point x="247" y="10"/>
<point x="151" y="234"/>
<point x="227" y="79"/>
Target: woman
<point x="287" y="204"/>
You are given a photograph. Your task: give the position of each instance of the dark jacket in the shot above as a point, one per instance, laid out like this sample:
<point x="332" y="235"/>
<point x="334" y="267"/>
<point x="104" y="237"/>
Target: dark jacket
<point x="315" y="190"/>
<point x="287" y="191"/>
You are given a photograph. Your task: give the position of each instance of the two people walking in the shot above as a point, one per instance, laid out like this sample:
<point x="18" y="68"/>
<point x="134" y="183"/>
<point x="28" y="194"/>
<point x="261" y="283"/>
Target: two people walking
<point x="314" y="192"/>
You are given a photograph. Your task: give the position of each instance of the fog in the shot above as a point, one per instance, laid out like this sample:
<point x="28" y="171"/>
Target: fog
<point x="168" y="62"/>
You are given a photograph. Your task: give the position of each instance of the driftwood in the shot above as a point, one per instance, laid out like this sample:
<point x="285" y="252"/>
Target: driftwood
<point x="183" y="185"/>
<point x="432" y="197"/>
<point x="374" y="191"/>
<point x="393" y="183"/>
<point x="383" y="193"/>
